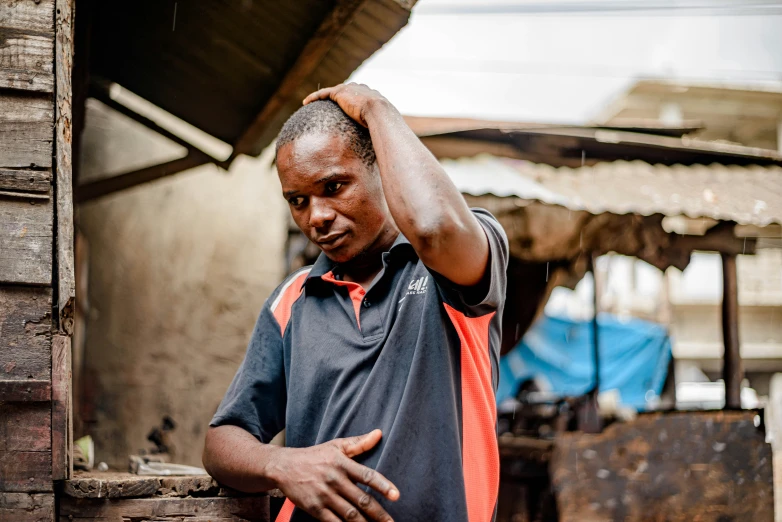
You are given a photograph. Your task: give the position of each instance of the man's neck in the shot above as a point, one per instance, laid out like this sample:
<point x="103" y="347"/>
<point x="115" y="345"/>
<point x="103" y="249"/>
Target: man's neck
<point x="363" y="268"/>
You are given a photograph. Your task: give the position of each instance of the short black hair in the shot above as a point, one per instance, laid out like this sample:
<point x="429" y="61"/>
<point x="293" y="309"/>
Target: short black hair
<point x="325" y="116"/>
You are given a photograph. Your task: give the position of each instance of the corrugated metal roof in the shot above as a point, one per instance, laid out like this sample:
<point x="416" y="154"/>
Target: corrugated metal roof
<point x="747" y="195"/>
<point x="571" y="146"/>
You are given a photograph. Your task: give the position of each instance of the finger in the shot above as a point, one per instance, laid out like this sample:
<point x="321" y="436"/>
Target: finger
<point x="324" y="515"/>
<point x="357" y="445"/>
<point x="344" y="509"/>
<point x="364" y="501"/>
<point x="373" y="479"/>
<point x="321" y="94"/>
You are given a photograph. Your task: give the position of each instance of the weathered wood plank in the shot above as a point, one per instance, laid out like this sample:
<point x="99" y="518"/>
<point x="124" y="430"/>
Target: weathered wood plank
<point x="28" y="15"/>
<point x="27" y="181"/>
<point x="25" y="447"/>
<point x="62" y="404"/>
<point x="26" y="241"/>
<point x="26" y="471"/>
<point x="25" y="427"/>
<point x="26" y="129"/>
<point x="66" y="281"/>
<point x="124" y="485"/>
<point x="27" y="507"/>
<point x="249" y="509"/>
<point x="25" y="391"/>
<point x="25" y="333"/>
<point x="26" y="60"/>
<point x="112" y="486"/>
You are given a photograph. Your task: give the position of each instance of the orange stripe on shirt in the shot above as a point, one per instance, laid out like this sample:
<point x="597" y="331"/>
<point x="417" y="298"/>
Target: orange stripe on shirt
<point x="480" y="453"/>
<point x="281" y="308"/>
<point x="286" y="512"/>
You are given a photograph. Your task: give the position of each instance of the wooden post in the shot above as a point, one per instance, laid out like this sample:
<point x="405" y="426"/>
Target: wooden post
<point x="733" y="368"/>
<point x="595" y="329"/>
<point x="588" y="417"/>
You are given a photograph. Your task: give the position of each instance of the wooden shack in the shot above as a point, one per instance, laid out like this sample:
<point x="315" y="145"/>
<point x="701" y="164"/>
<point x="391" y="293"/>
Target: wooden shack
<point x="234" y="72"/>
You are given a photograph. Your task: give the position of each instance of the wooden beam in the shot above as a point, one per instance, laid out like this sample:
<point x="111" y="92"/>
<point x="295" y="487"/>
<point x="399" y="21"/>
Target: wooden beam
<point x="100" y="91"/>
<point x="719" y="238"/>
<point x="26" y="181"/>
<point x="65" y="285"/>
<point x="62" y="406"/>
<point x="588" y="415"/>
<point x="321" y="42"/>
<point x="104" y="187"/>
<point x="31" y="390"/>
<point x="214" y="509"/>
<point x="27" y="507"/>
<point x="732" y="369"/>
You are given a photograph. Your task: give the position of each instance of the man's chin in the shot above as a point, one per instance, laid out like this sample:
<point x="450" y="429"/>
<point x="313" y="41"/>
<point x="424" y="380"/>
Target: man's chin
<point x="340" y="255"/>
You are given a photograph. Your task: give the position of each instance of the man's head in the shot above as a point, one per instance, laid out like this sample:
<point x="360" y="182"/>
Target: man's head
<point x="329" y="177"/>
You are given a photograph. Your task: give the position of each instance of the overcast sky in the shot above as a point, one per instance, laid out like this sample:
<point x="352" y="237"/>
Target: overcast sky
<point x="562" y="61"/>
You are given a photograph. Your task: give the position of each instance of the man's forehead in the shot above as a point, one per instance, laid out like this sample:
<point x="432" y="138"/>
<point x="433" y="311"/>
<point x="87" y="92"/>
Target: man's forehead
<point x="315" y="156"/>
<point x="316" y="145"/>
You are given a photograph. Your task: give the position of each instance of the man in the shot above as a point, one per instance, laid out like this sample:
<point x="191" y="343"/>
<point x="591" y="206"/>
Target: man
<point x="380" y="361"/>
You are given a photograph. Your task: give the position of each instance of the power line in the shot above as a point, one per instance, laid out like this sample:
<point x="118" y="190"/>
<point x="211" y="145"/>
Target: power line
<point x="621" y="7"/>
<point x="519" y="68"/>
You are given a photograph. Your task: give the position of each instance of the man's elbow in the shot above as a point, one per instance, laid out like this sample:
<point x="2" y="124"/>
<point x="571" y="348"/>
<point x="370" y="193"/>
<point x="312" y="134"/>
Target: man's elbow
<point x="429" y="237"/>
<point x="208" y="456"/>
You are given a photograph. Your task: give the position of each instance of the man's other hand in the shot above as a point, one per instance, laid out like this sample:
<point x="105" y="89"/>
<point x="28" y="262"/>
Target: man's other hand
<point x="322" y="479"/>
<point x="356" y="99"/>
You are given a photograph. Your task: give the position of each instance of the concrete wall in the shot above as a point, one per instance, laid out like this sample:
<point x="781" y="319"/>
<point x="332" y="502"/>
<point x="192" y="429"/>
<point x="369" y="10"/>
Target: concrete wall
<point x="179" y="269"/>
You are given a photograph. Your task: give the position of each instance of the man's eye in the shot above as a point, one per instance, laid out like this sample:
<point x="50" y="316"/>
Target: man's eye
<point x="333" y="187"/>
<point x="296" y="201"/>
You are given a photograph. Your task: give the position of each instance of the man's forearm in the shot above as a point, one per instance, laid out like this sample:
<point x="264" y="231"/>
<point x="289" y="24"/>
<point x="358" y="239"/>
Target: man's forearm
<point x="427" y="207"/>
<point x="422" y="199"/>
<point x="237" y="459"/>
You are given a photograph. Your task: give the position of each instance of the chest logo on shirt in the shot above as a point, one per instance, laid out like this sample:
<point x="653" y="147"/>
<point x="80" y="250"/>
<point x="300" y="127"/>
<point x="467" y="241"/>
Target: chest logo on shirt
<point x="417" y="286"/>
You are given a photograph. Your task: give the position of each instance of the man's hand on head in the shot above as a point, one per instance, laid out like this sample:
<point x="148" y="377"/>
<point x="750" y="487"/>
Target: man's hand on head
<point x="425" y="204"/>
<point x="356" y="99"/>
<point x="322" y="480"/>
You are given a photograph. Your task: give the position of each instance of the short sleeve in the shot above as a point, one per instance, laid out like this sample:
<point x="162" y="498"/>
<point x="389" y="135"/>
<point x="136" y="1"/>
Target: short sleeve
<point x="489" y="294"/>
<point x="256" y="399"/>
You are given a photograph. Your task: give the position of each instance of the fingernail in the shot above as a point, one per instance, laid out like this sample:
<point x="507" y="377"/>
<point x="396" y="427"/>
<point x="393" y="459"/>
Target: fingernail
<point x="393" y="494"/>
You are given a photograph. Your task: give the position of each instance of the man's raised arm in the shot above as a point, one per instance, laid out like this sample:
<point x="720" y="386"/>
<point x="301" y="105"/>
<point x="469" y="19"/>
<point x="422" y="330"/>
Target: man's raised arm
<point x="426" y="206"/>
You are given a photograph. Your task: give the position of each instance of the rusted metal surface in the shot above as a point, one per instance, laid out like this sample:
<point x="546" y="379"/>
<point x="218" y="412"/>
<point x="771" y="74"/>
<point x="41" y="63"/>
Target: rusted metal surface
<point x="525" y="492"/>
<point x="672" y="467"/>
<point x="749" y="195"/>
<point x="733" y="369"/>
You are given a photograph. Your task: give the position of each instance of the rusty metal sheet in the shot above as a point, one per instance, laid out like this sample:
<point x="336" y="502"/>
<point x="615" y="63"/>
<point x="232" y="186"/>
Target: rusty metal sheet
<point x="671" y="467"/>
<point x="747" y="195"/>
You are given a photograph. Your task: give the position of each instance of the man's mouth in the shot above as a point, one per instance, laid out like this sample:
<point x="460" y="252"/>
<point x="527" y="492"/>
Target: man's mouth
<point x="332" y="240"/>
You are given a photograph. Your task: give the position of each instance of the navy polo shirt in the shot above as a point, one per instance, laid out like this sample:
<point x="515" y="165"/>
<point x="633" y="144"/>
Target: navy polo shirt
<point x="415" y="356"/>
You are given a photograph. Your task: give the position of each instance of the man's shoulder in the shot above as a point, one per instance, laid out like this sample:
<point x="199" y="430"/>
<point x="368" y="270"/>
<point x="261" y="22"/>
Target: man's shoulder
<point x="289" y="289"/>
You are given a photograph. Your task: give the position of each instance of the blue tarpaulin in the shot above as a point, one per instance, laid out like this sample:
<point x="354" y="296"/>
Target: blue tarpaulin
<point x="559" y="354"/>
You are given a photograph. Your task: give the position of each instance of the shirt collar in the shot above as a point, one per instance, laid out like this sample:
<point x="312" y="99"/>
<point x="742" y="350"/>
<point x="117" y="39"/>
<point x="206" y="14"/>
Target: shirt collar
<point x="324" y="265"/>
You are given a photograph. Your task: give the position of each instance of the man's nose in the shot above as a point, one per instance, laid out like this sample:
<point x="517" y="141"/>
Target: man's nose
<point x="321" y="214"/>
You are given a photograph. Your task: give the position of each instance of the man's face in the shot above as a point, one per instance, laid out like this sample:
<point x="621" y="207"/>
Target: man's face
<point x="334" y="197"/>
